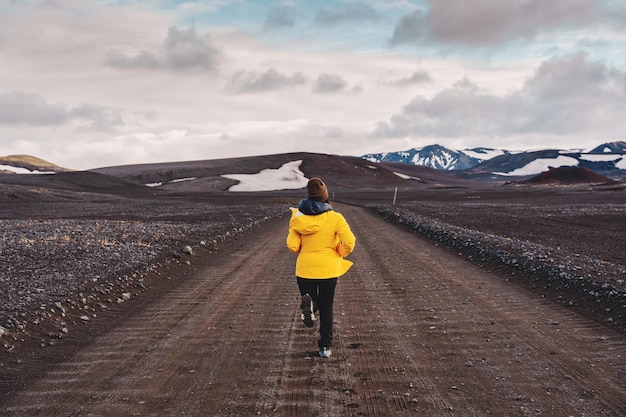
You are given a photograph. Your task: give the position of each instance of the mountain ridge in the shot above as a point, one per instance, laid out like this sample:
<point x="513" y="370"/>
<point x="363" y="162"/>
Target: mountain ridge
<point x="492" y="164"/>
<point x="484" y="165"/>
<point x="438" y="157"/>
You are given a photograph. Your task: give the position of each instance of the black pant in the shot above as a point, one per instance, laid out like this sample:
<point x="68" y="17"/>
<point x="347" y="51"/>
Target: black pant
<point x="322" y="291"/>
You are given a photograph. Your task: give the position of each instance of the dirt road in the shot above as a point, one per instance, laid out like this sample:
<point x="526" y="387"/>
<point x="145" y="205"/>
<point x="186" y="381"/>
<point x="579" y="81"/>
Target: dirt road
<point x="419" y="332"/>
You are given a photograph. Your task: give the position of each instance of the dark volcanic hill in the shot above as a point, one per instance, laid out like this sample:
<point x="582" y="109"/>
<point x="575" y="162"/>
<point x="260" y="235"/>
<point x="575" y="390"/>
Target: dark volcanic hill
<point x="82" y="181"/>
<point x="569" y="175"/>
<point x="339" y="172"/>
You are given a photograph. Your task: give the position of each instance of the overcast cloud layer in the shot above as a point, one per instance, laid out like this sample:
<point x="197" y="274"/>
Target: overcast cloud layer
<point x="91" y="83"/>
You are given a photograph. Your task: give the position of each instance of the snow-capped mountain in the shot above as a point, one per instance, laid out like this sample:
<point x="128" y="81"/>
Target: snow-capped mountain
<point x="533" y="163"/>
<point x="607" y="159"/>
<point x="438" y="157"/>
<point x="611" y="147"/>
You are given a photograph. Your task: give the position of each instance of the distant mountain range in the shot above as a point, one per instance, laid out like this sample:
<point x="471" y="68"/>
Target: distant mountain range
<point x="438" y="157"/>
<point x="607" y="159"/>
<point x="433" y="164"/>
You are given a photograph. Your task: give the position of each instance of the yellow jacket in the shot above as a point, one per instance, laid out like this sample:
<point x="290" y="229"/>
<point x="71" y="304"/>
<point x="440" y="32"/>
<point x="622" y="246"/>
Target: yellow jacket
<point x="321" y="241"/>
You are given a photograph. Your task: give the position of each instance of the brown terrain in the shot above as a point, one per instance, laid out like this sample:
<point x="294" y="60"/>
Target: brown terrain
<point x="466" y="299"/>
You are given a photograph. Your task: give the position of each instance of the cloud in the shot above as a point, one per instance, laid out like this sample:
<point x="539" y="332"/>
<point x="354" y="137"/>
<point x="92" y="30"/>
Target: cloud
<point x="125" y="57"/>
<point x="97" y="117"/>
<point x="565" y="95"/>
<point x="571" y="76"/>
<point x="461" y="110"/>
<point x="420" y="76"/>
<point x="255" y="82"/>
<point x="412" y="28"/>
<point x="26" y="109"/>
<point x="280" y="17"/>
<point x="491" y="22"/>
<point x="329" y="83"/>
<point x="20" y="108"/>
<point x="329" y="16"/>
<point x="197" y="7"/>
<point x="182" y="50"/>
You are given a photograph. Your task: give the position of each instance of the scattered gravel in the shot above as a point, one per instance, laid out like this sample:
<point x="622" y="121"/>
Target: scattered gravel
<point x="52" y="265"/>
<point x="590" y="285"/>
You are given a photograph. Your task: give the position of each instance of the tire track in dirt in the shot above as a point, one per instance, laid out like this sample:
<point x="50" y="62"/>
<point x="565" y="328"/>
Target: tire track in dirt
<point x="391" y="377"/>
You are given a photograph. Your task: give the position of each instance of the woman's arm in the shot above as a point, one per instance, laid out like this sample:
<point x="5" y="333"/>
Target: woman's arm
<point x="347" y="240"/>
<point x="294" y="241"/>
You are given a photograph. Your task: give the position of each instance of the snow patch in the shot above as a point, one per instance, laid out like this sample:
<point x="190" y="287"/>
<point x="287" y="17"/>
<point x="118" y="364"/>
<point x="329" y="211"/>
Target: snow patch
<point x="159" y="184"/>
<point x="600" y="157"/>
<point x="484" y="155"/>
<point x="18" y="170"/>
<point x="287" y="177"/>
<point x="406" y="177"/>
<point x="541" y="165"/>
<point x="184" y="179"/>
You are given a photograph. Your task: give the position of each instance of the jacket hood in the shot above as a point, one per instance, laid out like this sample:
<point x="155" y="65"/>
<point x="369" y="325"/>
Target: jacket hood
<point x="312" y="207"/>
<point x="305" y="224"/>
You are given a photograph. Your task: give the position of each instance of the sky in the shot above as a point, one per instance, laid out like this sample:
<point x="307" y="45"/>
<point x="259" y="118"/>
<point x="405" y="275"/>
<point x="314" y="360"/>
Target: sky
<point x="94" y="83"/>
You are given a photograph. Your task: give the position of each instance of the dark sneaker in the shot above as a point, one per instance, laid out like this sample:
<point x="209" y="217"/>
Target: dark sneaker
<point x="325" y="352"/>
<point x="308" y="318"/>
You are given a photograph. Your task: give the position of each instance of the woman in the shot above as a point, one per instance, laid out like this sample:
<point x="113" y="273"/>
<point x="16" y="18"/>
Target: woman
<point x="321" y="237"/>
